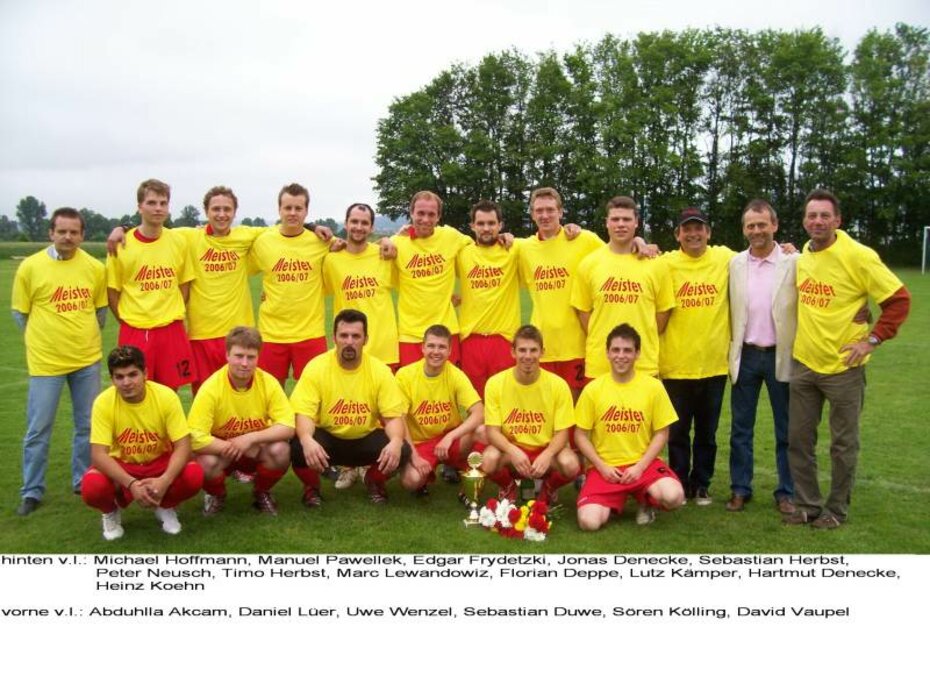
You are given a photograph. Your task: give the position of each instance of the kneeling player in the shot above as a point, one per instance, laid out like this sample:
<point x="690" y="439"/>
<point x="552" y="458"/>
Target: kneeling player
<point x="528" y="416"/>
<point x="139" y="447"/>
<point x="437" y="393"/>
<point x="622" y="421"/>
<point x="241" y="420"/>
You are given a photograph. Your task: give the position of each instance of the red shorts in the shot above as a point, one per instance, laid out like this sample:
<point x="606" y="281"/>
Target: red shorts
<point x="571" y="371"/>
<point x="411" y="352"/>
<point x="276" y="358"/>
<point x="596" y="490"/>
<point x="426" y="451"/>
<point x="100" y="492"/>
<point x="209" y="357"/>
<point x="243" y="465"/>
<point x="167" y="351"/>
<point x="483" y="355"/>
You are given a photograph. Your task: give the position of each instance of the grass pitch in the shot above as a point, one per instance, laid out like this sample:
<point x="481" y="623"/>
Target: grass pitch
<point x="889" y="513"/>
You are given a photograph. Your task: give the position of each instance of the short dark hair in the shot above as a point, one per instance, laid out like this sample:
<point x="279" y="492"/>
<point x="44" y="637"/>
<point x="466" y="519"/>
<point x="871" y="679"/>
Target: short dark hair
<point x="528" y="332"/>
<point x="366" y="207"/>
<point x="625" y="202"/>
<point x="350" y="315"/>
<point x="438" y="331"/>
<point x="823" y="195"/>
<point x="65" y="212"/>
<point x="124" y="356"/>
<point x="153" y="185"/>
<point x="760" y="206"/>
<point x="245" y="337"/>
<point x="219" y="191"/>
<point x="486" y="206"/>
<point x="294" y="189"/>
<point x="624" y="331"/>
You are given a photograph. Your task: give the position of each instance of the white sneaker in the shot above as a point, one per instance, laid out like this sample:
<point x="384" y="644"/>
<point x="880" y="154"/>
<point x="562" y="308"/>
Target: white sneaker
<point x="113" y="525"/>
<point x="645" y="516"/>
<point x="347" y="477"/>
<point x="169" y="521"/>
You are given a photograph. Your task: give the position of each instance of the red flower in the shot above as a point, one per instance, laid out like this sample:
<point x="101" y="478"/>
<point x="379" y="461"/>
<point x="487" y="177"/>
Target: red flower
<point x="492" y="504"/>
<point x="540" y="508"/>
<point x="513" y="515"/>
<point x="537" y="521"/>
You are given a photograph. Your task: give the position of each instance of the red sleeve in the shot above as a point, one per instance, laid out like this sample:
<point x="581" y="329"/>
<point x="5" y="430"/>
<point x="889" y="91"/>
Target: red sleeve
<point x="894" y="313"/>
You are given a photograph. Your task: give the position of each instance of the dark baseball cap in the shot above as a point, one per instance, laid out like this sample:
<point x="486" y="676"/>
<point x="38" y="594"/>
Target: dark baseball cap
<point x="692" y="213"/>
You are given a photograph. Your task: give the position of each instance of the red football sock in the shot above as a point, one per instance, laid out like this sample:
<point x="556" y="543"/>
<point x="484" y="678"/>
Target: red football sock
<point x="215" y="486"/>
<point x="266" y="478"/>
<point x="308" y="476"/>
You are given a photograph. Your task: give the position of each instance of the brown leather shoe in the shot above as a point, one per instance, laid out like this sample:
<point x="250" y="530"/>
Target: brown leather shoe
<point x="785" y="506"/>
<point x="737" y="503"/>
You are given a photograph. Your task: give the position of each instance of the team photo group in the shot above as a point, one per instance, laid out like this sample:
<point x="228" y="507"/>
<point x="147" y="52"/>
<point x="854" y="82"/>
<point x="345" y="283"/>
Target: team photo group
<point x="627" y="353"/>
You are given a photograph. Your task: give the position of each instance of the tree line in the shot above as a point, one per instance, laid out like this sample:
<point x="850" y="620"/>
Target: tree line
<point x="32" y="222"/>
<point x="707" y="117"/>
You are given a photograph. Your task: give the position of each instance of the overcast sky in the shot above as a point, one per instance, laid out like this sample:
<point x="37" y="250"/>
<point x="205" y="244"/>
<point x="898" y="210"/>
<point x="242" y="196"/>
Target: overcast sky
<point x="96" y="96"/>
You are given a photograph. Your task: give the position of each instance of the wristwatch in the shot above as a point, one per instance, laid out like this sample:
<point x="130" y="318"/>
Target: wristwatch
<point x="873" y="340"/>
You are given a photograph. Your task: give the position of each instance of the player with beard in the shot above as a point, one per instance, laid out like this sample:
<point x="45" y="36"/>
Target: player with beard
<point x="349" y="410"/>
<point x="490" y="310"/>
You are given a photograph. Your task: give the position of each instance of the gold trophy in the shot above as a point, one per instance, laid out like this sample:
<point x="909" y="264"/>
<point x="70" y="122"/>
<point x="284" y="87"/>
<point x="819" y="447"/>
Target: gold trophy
<point x="472" y="485"/>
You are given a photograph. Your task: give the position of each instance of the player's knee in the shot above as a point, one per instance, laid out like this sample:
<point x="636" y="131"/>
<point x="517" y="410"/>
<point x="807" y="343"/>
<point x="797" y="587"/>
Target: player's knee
<point x="590" y="518"/>
<point x="278" y="455"/>
<point x="568" y="463"/>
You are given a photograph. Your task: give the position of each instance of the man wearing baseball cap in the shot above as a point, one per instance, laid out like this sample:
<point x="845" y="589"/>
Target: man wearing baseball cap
<point x="693" y="350"/>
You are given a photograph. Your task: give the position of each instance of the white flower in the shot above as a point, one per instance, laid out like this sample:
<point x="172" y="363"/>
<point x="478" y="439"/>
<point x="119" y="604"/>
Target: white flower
<point x="533" y="535"/>
<point x="504" y="508"/>
<point x="486" y="517"/>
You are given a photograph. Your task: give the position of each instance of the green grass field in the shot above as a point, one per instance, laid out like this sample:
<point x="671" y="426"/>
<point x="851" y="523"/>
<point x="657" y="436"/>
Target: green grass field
<point x="889" y="512"/>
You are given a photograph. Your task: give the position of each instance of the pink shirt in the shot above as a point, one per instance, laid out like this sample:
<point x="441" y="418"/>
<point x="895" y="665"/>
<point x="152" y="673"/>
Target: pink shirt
<point x="760" y="287"/>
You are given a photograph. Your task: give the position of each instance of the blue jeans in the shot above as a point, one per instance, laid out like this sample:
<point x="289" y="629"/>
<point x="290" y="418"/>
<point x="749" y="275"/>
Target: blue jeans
<point x="697" y="400"/>
<point x="757" y="367"/>
<point x="41" y="406"/>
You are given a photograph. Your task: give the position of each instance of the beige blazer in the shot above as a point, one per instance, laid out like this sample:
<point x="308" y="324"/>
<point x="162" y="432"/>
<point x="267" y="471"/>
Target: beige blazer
<point x="784" y="311"/>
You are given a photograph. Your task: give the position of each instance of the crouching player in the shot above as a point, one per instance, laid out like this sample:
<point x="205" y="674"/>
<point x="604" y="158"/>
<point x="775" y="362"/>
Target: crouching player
<point x="622" y="421"/>
<point x="437" y="393"/>
<point x="348" y="411"/>
<point x="139" y="447"/>
<point x="528" y="416"/>
<point x="241" y="420"/>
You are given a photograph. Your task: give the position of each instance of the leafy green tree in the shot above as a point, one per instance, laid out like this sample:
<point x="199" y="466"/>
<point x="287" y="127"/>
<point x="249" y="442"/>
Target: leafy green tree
<point x="30" y="212"/>
<point x="189" y="217"/>
<point x="8" y="229"/>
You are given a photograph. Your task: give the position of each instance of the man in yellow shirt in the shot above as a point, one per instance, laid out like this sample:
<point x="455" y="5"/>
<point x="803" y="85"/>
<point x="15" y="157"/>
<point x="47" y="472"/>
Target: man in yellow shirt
<point x="220" y="297"/>
<point x="359" y="277"/>
<point x="437" y="393"/>
<point x="489" y="313"/>
<point x="835" y="276"/>
<point x="241" y="420"/>
<point x="425" y="261"/>
<point x="693" y="350"/>
<point x="349" y="411"/>
<point x="290" y="317"/>
<point x="140" y="447"/>
<point x="528" y="416"/>
<point x="622" y="426"/>
<point x="148" y="286"/>
<point x="59" y="299"/>
<point x="548" y="264"/>
<point x="614" y="285"/>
